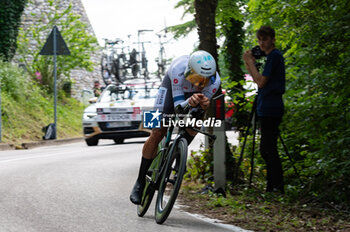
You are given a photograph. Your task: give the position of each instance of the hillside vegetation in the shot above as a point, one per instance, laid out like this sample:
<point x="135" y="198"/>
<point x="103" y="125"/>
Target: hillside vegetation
<point x="26" y="108"/>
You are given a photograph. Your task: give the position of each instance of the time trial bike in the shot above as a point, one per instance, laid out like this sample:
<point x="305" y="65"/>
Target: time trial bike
<point x="166" y="172"/>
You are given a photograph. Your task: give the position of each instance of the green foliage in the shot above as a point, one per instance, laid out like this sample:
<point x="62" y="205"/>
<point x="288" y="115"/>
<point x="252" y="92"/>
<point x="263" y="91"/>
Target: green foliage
<point x="26" y="108"/>
<point x="10" y="20"/>
<point x="80" y="43"/>
<point x="315" y="38"/>
<point x="12" y="80"/>
<point x="187" y="5"/>
<point x="232" y="52"/>
<point x="183" y="29"/>
<point x="227" y="11"/>
<point x="241" y="98"/>
<point x="200" y="166"/>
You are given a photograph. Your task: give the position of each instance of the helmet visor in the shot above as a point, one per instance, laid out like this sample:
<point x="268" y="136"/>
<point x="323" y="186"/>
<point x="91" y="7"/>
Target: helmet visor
<point x="196" y="79"/>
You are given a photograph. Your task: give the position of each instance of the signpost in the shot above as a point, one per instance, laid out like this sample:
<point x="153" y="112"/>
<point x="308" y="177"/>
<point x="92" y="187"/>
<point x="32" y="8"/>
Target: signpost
<point x="55" y="45"/>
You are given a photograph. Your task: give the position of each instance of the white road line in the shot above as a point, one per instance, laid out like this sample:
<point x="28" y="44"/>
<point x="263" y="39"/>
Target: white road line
<point x="65" y="152"/>
<point x="47" y="149"/>
<point x="215" y="222"/>
<point x="27" y="158"/>
<point x="218" y="223"/>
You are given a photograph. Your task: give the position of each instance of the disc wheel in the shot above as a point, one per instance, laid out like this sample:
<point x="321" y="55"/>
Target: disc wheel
<point x="171" y="181"/>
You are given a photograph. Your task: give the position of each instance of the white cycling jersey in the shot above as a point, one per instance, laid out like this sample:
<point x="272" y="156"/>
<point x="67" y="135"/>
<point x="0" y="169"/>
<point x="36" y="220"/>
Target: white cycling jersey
<point x="180" y="85"/>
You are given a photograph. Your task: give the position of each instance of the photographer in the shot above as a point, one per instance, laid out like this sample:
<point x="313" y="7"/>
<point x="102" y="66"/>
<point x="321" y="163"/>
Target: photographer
<point x="270" y="106"/>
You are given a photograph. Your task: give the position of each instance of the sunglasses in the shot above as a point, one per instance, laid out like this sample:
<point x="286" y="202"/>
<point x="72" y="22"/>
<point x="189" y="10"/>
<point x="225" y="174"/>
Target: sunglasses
<point x="196" y="79"/>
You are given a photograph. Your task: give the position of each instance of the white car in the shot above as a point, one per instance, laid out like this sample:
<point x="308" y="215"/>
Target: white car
<point x="117" y="114"/>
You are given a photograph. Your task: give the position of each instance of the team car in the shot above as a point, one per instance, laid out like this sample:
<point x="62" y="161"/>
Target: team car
<point x="117" y="113"/>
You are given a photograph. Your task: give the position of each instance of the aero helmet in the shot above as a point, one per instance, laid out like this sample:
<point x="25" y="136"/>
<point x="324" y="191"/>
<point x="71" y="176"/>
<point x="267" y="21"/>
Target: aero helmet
<point x="201" y="66"/>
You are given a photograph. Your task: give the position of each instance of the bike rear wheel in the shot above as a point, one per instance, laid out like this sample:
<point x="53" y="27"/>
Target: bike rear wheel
<point x="171" y="180"/>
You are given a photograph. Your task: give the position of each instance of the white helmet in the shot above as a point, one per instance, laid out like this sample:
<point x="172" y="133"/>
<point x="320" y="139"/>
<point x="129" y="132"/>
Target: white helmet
<point x="202" y="63"/>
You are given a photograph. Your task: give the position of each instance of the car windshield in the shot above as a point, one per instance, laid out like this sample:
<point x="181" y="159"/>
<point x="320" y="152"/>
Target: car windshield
<point x="116" y="93"/>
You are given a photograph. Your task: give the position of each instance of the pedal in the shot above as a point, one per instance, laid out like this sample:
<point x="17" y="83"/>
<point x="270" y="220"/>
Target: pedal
<point x="148" y="179"/>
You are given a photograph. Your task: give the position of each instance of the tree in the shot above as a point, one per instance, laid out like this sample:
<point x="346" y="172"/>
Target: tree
<point x="205" y="19"/>
<point x="206" y="28"/>
<point x="230" y="23"/>
<point x="80" y="43"/>
<point x="10" y="20"/>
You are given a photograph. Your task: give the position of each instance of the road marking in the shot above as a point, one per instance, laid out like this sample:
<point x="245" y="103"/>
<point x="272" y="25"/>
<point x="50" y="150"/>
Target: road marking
<point x="212" y="221"/>
<point x="43" y="156"/>
<point x="26" y="158"/>
<point x="218" y="223"/>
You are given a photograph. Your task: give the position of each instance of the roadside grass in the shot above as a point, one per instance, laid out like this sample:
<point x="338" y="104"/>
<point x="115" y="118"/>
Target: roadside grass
<point x="23" y="121"/>
<point x="27" y="108"/>
<point x="253" y="209"/>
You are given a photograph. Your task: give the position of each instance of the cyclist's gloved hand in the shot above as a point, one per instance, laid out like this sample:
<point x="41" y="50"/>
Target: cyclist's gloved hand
<point x="195" y="99"/>
<point x="199" y="99"/>
<point x="204" y="102"/>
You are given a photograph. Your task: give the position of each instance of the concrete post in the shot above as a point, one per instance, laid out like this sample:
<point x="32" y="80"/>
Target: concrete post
<point x="220" y="157"/>
<point x="219" y="149"/>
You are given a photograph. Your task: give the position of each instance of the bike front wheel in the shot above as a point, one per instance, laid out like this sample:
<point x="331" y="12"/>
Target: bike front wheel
<point x="171" y="180"/>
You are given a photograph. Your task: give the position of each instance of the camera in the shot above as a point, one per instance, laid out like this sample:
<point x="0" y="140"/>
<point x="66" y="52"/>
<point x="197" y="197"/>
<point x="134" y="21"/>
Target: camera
<point x="257" y="52"/>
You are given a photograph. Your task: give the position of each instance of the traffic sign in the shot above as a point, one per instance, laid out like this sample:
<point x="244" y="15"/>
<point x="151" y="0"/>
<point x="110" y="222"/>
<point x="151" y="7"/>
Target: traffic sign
<point x="61" y="47"/>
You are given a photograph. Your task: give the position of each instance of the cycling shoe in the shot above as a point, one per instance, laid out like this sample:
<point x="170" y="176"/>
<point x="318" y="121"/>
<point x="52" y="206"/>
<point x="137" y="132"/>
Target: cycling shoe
<point x="136" y="193"/>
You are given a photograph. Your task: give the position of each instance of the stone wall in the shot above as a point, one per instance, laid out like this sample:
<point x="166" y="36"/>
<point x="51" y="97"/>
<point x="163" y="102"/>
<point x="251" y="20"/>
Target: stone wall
<point x="83" y="79"/>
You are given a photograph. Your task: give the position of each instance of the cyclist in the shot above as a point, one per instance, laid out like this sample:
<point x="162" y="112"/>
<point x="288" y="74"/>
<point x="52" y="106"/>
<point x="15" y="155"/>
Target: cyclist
<point x="189" y="80"/>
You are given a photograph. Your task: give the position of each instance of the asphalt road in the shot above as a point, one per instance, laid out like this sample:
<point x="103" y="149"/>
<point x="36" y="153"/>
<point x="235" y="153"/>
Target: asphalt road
<point x="73" y="187"/>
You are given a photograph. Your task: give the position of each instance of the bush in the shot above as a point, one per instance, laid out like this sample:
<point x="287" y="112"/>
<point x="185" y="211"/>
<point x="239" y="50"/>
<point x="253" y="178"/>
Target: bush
<point x="200" y="166"/>
<point x="12" y="80"/>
